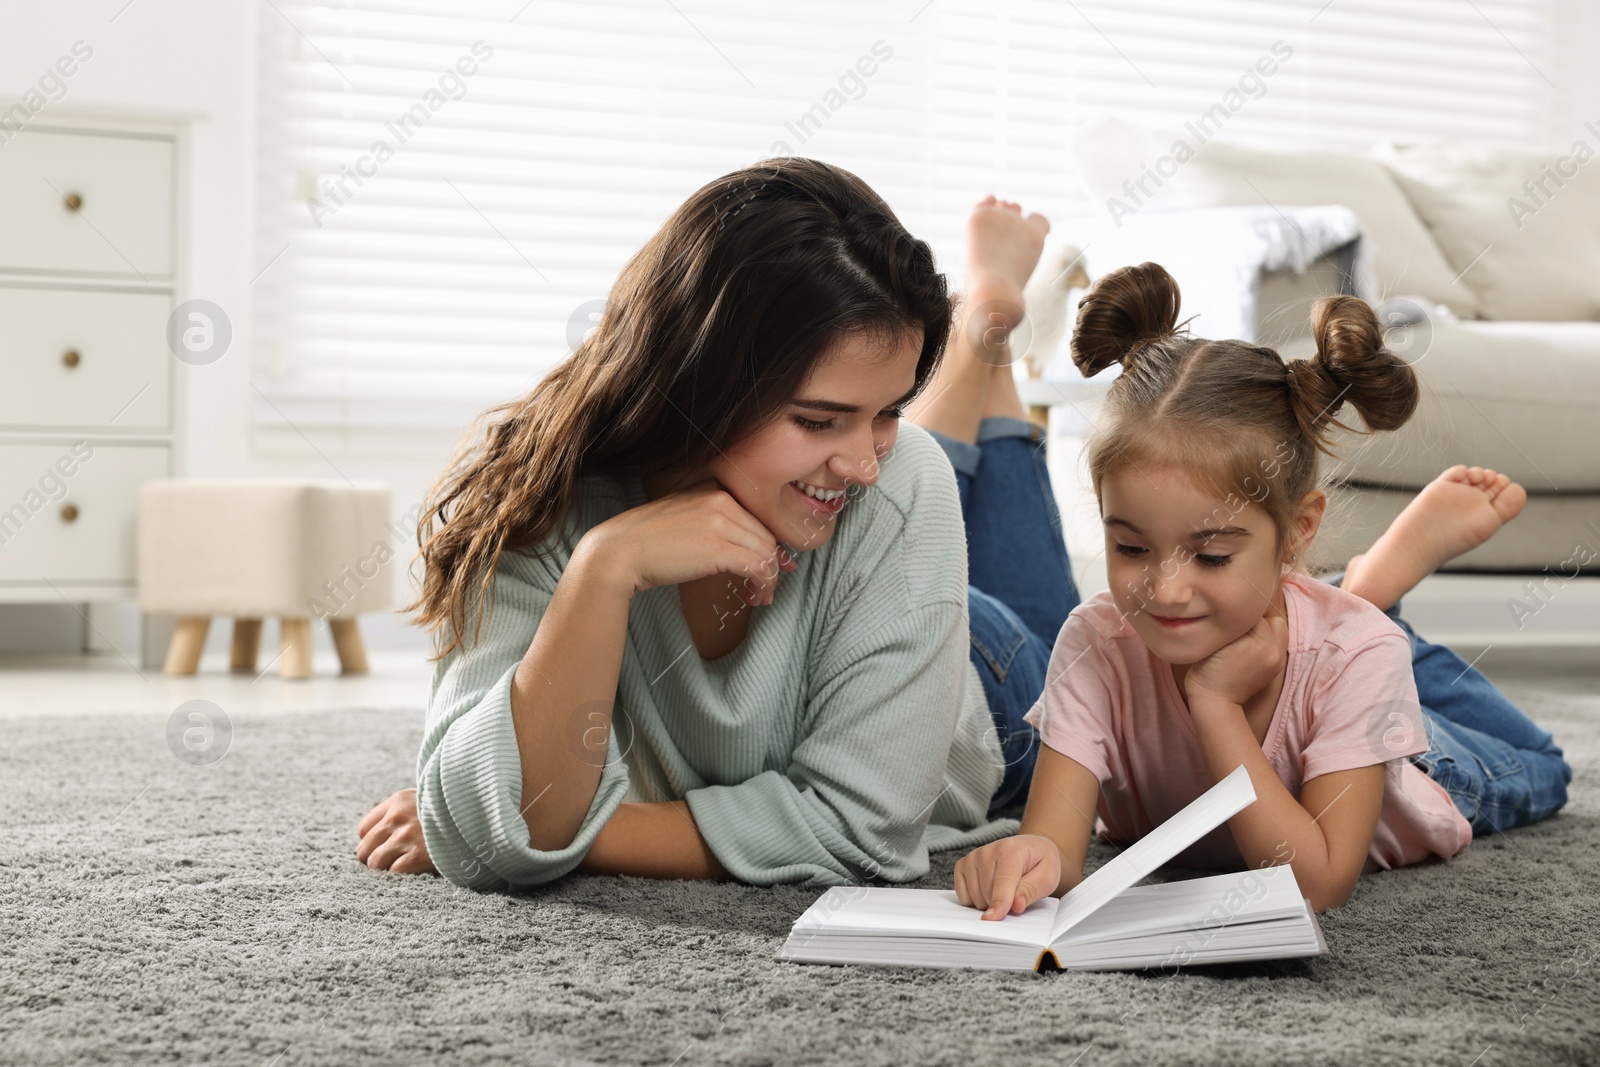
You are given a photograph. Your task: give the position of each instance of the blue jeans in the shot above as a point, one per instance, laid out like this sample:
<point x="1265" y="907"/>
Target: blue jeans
<point x="1498" y="766"/>
<point x="1020" y="588"/>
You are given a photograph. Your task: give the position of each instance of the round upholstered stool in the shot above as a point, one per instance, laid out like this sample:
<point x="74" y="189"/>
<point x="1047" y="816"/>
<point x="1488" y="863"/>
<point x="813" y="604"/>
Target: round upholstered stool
<point x="297" y="549"/>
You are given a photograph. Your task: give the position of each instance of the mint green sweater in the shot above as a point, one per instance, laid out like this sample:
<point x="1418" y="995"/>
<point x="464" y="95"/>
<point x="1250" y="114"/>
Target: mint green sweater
<point x="845" y="738"/>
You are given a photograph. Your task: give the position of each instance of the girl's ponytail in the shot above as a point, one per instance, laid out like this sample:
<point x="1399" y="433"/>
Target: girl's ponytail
<point x="1351" y="367"/>
<point x="1121" y="313"/>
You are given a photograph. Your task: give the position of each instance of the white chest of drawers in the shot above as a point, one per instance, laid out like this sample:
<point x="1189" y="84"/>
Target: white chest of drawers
<point x="91" y="253"/>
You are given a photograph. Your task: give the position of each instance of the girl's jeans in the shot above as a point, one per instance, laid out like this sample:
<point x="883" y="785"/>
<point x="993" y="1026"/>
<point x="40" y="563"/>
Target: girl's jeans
<point x="1500" y="768"/>
<point x="1497" y="765"/>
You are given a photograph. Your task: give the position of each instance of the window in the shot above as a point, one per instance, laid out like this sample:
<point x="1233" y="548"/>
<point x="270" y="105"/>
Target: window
<point x="446" y="190"/>
<point x="450" y="275"/>
<point x="1359" y="70"/>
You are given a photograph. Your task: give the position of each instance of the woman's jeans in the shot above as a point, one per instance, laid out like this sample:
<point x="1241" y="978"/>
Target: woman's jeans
<point x="1020" y="588"/>
<point x="1498" y="766"/>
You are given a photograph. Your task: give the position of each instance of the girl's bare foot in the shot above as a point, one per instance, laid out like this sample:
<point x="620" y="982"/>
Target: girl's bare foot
<point x="1003" y="247"/>
<point x="1457" y="511"/>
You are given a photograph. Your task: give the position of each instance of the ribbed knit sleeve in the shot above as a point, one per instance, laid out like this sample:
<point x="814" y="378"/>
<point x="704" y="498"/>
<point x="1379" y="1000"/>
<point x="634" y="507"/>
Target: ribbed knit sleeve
<point x="861" y="784"/>
<point x="469" y="771"/>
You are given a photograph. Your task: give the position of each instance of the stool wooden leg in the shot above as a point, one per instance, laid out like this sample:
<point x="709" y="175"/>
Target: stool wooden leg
<point x="347" y="639"/>
<point x="188" y="641"/>
<point x="296" y="659"/>
<point x="246" y="644"/>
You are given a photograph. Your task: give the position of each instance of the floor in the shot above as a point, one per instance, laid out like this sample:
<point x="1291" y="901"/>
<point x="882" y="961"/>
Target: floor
<point x="162" y="910"/>
<point x="105" y="683"/>
<point x="108" y="683"/>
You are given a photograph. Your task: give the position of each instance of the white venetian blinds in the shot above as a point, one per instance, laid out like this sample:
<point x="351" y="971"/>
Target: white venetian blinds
<point x="447" y="280"/>
<point x="444" y="187"/>
<point x="1357" y="70"/>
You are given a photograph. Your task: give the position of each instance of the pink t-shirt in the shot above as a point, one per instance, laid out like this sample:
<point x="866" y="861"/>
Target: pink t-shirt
<point x="1349" y="700"/>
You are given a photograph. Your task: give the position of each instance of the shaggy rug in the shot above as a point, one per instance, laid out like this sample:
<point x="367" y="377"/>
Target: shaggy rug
<point x="163" y="910"/>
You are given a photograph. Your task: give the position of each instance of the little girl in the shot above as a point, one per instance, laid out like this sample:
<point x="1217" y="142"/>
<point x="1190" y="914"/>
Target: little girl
<point x="1212" y="648"/>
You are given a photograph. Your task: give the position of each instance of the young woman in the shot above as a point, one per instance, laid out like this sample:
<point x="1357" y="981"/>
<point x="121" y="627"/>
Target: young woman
<point x="1213" y="649"/>
<point x="702" y="604"/>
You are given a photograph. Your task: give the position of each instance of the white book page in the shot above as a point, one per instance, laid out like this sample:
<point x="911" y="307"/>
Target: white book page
<point x="1194" y="906"/>
<point x="1207" y="811"/>
<point x="928" y="912"/>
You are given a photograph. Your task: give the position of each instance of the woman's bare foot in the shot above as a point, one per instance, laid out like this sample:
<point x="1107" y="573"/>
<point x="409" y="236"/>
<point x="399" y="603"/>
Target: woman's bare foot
<point x="1457" y="511"/>
<point x="1003" y="247"/>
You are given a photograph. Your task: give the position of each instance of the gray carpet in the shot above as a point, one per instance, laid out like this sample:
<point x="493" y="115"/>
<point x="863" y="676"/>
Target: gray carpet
<point x="157" y="912"/>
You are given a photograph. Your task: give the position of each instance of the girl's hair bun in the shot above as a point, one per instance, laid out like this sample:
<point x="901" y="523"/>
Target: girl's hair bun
<point x="1122" y="312"/>
<point x="1351" y="367"/>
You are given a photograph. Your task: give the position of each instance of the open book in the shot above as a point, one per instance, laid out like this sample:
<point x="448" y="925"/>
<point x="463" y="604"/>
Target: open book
<point x="1101" y="924"/>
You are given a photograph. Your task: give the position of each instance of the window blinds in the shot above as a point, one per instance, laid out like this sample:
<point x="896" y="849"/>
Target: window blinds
<point x="446" y="191"/>
<point x="1358" y="70"/>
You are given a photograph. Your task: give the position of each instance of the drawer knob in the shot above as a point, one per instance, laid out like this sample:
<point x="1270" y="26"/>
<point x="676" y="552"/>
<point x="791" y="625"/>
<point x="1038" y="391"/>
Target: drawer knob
<point x="69" y="513"/>
<point x="74" y="201"/>
<point x="71" y="358"/>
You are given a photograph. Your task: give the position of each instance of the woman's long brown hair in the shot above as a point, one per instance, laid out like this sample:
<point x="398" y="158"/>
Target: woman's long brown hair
<point x="710" y="329"/>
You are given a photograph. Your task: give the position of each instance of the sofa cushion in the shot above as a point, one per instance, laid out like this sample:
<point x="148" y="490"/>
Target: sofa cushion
<point x="1112" y="152"/>
<point x="1515" y="396"/>
<point x="1528" y="247"/>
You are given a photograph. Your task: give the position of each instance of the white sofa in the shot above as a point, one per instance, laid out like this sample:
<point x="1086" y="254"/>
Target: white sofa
<point x="1506" y="340"/>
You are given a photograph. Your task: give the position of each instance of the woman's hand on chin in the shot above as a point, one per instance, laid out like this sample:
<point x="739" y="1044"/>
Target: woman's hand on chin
<point x="391" y="837"/>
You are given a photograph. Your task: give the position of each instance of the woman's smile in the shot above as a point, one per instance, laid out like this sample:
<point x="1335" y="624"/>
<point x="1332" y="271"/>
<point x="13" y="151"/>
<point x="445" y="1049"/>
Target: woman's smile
<point x="818" y="499"/>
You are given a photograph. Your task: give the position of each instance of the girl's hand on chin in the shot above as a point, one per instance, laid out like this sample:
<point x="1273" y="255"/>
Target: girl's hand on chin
<point x="1241" y="668"/>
